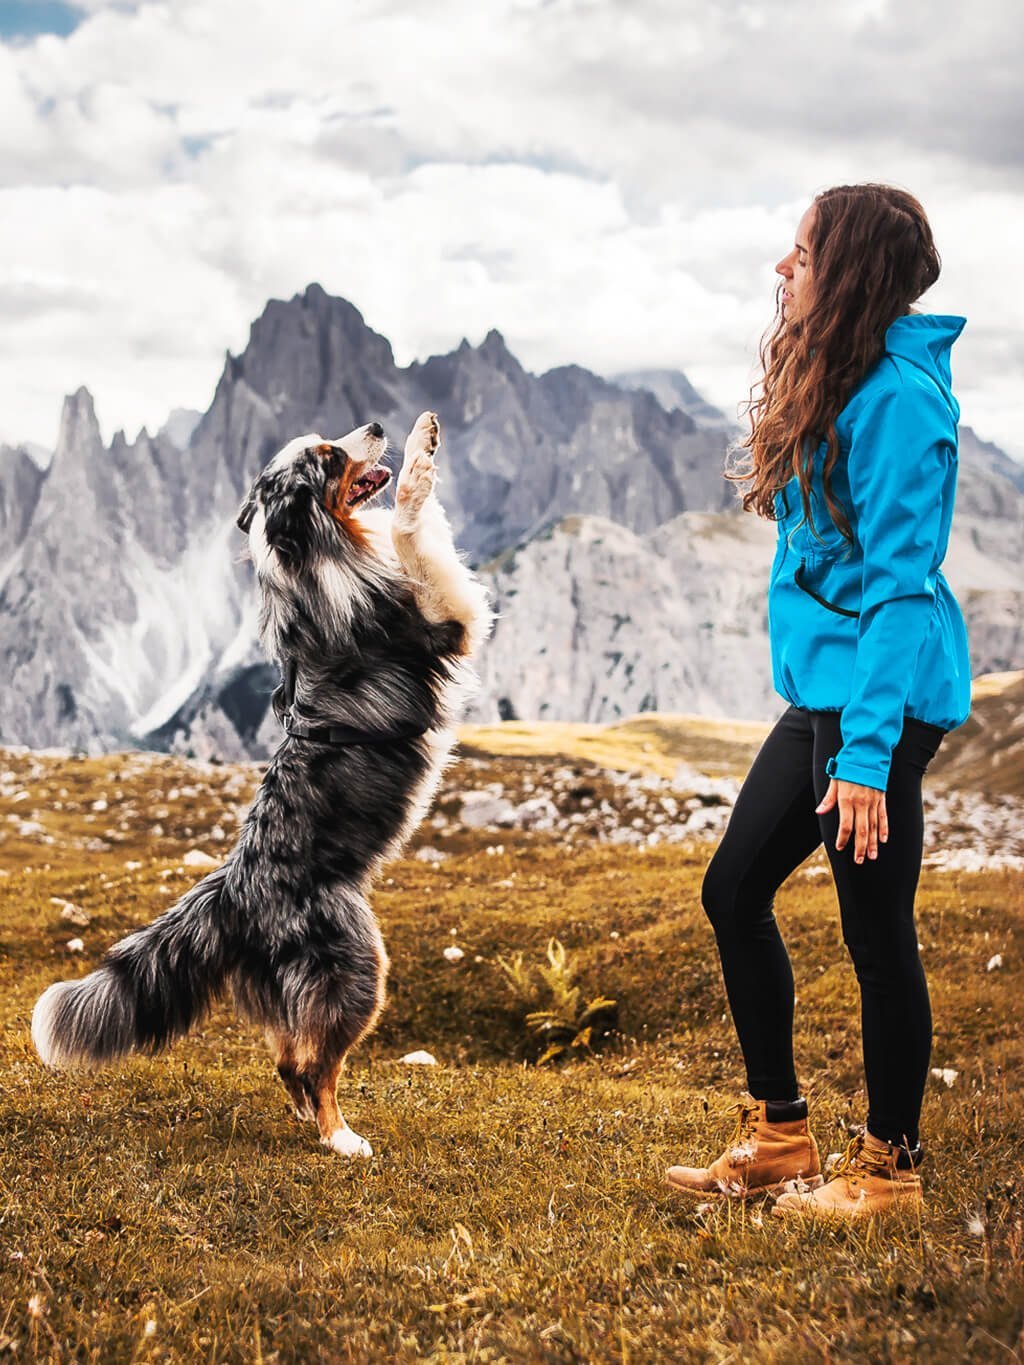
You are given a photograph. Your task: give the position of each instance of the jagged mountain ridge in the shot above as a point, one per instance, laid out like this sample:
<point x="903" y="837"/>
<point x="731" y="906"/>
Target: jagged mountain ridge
<point x="624" y="576"/>
<point x="672" y="389"/>
<point x="121" y="603"/>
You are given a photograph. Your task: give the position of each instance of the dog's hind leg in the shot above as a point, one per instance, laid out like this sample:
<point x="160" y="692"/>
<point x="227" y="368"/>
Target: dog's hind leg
<point x="283" y="1052"/>
<point x="309" y="1072"/>
<point x="334" y="1131"/>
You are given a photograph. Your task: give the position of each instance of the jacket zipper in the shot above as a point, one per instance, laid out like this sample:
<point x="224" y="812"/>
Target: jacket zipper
<point x="822" y="601"/>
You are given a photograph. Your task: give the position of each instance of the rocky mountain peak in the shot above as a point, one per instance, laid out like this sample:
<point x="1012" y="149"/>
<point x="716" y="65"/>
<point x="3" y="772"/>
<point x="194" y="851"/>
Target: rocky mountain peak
<point x="673" y="390"/>
<point x="471" y="378"/>
<point x="496" y="353"/>
<point x="311" y="364"/>
<point x="79" y="430"/>
<point x="329" y="335"/>
<point x="77" y="483"/>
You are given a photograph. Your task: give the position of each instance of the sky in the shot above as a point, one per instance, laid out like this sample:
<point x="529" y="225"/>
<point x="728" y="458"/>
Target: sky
<point x="607" y="183"/>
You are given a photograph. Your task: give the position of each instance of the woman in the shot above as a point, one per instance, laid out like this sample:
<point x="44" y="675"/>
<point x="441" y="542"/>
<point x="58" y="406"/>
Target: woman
<point x="853" y="450"/>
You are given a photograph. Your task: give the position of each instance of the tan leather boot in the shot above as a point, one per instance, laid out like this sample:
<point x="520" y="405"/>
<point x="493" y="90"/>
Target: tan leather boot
<point x="866" y="1180"/>
<point x="760" y="1159"/>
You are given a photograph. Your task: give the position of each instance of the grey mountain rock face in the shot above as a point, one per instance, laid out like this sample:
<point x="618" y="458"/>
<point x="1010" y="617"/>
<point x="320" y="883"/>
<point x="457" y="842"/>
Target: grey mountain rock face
<point x="21" y="479"/>
<point x="180" y="426"/>
<point x="624" y="575"/>
<point x="672" y="389"/>
<point x="523" y="451"/>
<point x="596" y="622"/>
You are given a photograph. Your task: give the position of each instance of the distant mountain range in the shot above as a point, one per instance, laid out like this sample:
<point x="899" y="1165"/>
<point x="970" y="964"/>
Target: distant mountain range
<point x="624" y="576"/>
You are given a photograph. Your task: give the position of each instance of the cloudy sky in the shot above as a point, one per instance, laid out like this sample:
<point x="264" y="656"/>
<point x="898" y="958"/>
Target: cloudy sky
<point x="607" y="182"/>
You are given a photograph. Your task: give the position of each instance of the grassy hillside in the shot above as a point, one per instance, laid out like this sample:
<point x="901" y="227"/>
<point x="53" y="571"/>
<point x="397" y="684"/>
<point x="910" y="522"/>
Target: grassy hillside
<point x="987" y="752"/>
<point x="655" y="743"/>
<point x="172" y="1209"/>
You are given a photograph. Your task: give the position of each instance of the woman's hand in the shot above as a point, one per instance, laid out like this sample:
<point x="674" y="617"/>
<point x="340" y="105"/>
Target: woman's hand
<point x="862" y="811"/>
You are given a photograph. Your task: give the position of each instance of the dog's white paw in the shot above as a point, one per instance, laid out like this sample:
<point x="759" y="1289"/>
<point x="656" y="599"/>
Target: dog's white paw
<point x="346" y="1142"/>
<point x="425" y="436"/>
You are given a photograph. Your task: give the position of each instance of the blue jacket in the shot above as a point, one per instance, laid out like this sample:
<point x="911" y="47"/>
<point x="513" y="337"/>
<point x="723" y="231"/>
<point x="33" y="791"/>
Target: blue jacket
<point x="873" y="629"/>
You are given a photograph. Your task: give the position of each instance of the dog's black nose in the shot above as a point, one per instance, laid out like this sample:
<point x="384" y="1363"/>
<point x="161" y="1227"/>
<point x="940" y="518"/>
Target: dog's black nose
<point x="375" y="429"/>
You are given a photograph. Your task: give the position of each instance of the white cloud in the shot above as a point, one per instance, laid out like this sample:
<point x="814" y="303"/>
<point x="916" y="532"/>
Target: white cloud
<point x="609" y="185"/>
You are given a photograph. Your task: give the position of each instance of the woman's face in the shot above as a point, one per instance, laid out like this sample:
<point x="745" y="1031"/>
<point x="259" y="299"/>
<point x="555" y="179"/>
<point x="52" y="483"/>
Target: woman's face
<point x="795" y="269"/>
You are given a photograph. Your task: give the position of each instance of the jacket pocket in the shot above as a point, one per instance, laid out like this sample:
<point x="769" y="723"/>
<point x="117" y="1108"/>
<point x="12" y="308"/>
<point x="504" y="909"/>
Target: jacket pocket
<point x="798" y="579"/>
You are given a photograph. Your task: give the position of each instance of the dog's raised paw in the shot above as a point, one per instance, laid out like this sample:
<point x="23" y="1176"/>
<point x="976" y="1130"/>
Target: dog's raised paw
<point x="425" y="436"/>
<point x="346" y="1142"/>
<point x="415" y="485"/>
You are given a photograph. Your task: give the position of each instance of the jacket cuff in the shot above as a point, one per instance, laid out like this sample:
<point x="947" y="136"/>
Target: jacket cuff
<point x="844" y="771"/>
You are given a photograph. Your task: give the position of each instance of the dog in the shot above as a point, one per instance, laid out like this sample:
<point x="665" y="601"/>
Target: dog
<point x="373" y="618"/>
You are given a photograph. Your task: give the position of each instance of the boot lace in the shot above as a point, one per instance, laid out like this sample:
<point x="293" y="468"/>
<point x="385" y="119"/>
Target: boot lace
<point x="742" y="1147"/>
<point x="860" y="1161"/>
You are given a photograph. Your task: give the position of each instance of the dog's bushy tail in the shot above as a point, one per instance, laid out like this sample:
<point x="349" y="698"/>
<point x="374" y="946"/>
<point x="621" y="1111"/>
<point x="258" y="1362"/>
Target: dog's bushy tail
<point x="149" y="989"/>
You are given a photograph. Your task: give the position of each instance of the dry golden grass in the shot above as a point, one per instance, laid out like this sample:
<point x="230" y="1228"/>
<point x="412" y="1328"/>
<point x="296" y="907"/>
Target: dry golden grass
<point x="172" y="1209"/>
<point x="654" y="743"/>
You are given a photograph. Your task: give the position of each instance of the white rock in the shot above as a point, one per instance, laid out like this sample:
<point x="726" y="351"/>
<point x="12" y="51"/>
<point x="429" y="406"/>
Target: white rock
<point x="75" y="945"/>
<point x="419" y="1059"/>
<point x="994" y="962"/>
<point x="946" y="1074"/>
<point x="539" y="812"/>
<point x="428" y="854"/>
<point x="483" y="808"/>
<point x="453" y="953"/>
<point x="195" y="857"/>
<point x="74" y="914"/>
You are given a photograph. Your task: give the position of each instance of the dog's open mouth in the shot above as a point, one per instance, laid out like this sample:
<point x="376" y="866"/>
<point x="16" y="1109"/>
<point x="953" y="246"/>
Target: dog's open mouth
<point x="367" y="486"/>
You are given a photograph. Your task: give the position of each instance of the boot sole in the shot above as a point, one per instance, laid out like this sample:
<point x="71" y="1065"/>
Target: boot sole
<point x="752" y="1192"/>
<point x="832" y="1214"/>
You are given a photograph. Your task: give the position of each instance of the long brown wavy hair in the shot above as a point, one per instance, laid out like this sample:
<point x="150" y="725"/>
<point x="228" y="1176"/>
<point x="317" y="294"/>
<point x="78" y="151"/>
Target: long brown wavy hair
<point x="871" y="255"/>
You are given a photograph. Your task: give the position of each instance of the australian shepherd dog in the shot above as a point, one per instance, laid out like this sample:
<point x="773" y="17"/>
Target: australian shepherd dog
<point x="373" y="618"/>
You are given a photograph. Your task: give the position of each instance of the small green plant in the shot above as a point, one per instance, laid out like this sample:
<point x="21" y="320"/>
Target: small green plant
<point x="556" y="1016"/>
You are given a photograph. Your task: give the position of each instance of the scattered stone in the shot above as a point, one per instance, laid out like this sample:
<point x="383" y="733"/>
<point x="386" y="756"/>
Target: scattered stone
<point x="481" y="809"/>
<point x="946" y="1074"/>
<point x="73" y="914"/>
<point x="197" y="858"/>
<point x="453" y="953"/>
<point x="75" y="945"/>
<point x="994" y="962"/>
<point x="419" y="1059"/>
<point x="428" y="854"/>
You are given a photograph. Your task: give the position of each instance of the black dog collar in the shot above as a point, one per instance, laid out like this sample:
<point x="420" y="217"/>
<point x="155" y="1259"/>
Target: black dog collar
<point x="297" y="728"/>
<point x="345" y="734"/>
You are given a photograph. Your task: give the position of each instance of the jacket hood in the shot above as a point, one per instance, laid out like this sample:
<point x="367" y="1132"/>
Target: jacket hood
<point x="925" y="340"/>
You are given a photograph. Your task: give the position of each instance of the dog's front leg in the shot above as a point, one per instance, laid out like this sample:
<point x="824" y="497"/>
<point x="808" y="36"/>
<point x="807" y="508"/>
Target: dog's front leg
<point x="445" y="589"/>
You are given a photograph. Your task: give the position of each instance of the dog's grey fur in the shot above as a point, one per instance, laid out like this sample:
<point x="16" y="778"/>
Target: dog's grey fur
<point x="377" y="616"/>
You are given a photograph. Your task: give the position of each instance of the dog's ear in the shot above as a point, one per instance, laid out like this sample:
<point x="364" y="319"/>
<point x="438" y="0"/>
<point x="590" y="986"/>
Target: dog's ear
<point x="286" y="525"/>
<point x="247" y="511"/>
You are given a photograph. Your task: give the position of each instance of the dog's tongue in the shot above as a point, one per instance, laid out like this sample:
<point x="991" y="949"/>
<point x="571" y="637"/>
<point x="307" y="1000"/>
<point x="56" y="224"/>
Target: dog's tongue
<point x="369" y="482"/>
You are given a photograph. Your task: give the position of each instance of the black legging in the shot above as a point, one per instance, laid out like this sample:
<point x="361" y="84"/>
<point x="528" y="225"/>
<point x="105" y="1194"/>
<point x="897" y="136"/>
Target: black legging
<point x="773" y="828"/>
